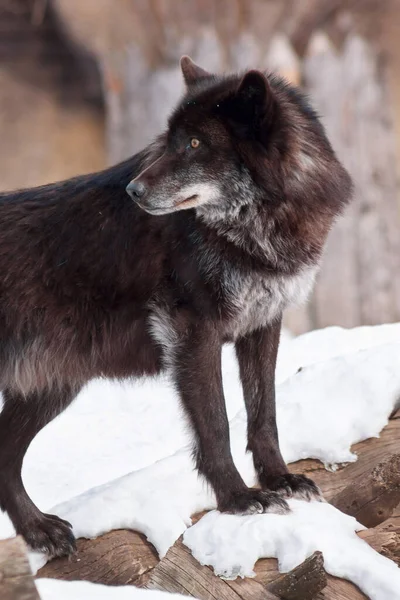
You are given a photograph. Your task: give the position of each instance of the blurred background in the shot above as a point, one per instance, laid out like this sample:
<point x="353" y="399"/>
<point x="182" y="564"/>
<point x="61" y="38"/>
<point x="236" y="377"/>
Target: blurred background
<point x="86" y="83"/>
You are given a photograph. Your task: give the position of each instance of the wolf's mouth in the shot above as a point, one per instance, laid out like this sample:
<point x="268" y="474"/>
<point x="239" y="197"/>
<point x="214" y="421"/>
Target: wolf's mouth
<point x="187" y="202"/>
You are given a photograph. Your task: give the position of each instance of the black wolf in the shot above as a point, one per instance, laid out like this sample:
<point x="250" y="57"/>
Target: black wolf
<point x="223" y="228"/>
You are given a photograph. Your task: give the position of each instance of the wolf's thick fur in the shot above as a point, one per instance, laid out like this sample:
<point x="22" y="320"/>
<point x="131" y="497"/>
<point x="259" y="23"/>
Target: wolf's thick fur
<point x="245" y="188"/>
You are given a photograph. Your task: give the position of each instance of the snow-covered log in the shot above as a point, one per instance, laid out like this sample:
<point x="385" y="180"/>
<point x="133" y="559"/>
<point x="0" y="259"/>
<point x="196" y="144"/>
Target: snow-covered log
<point x="99" y="560"/>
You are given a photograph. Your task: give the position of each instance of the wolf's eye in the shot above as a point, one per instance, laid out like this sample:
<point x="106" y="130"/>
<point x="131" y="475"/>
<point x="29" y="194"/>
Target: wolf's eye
<point x="194" y="143"/>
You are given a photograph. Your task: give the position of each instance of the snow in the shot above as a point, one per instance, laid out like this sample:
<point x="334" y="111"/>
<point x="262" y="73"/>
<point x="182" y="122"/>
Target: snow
<point x="232" y="545"/>
<point x="323" y="344"/>
<point x="120" y="458"/>
<point x="52" y="589"/>
<point x="326" y="407"/>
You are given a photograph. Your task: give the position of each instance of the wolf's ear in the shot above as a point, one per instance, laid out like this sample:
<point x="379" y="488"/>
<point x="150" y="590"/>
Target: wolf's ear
<point x="192" y="72"/>
<point x="251" y="108"/>
<point x="254" y="90"/>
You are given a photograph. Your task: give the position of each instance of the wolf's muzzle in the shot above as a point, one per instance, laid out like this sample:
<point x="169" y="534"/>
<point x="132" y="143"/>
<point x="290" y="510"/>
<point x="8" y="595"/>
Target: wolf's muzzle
<point x="136" y="189"/>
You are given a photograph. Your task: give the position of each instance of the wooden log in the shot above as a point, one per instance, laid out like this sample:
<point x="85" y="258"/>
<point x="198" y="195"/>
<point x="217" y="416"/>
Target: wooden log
<point x="122" y="557"/>
<point x="340" y="589"/>
<point x="386" y="543"/>
<point x="385" y="538"/>
<point x="16" y="580"/>
<point x="179" y="572"/>
<point x="371" y="498"/>
<point x="266" y="571"/>
<point x="116" y="558"/>
<point x="302" y="583"/>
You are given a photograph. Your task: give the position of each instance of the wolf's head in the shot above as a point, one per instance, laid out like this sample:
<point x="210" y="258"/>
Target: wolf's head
<point x="232" y="141"/>
<point x="202" y="165"/>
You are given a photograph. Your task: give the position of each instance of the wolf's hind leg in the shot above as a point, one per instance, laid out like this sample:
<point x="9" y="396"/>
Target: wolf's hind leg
<point x="20" y="420"/>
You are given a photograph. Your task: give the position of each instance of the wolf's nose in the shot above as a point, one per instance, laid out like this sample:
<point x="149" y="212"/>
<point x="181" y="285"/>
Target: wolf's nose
<point x="136" y="189"/>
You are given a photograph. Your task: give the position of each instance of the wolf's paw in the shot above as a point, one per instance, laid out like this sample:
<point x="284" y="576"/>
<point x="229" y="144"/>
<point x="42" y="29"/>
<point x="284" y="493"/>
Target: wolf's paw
<point x="251" y="501"/>
<point x="290" y="485"/>
<point x="49" y="534"/>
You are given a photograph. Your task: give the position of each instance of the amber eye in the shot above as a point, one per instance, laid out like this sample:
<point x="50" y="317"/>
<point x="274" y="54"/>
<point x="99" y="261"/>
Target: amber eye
<point x="194" y="143"/>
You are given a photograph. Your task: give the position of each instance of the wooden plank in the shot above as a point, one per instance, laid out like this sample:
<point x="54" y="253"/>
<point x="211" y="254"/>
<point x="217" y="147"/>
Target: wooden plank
<point x="358" y="283"/>
<point x="16" y="581"/>
<point x="374" y="171"/>
<point x="336" y="298"/>
<point x="281" y="58"/>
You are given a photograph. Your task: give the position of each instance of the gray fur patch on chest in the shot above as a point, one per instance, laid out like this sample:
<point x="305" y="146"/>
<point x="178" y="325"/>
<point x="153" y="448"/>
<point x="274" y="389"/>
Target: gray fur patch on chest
<point x="257" y="301"/>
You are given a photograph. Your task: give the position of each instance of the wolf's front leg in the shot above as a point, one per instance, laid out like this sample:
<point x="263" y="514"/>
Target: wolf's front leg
<point x="198" y="378"/>
<point x="257" y="354"/>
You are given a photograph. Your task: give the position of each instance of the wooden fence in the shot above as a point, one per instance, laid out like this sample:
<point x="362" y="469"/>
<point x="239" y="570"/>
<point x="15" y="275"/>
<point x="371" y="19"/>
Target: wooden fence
<point x="360" y="279"/>
<point x="137" y="46"/>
